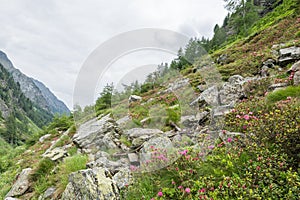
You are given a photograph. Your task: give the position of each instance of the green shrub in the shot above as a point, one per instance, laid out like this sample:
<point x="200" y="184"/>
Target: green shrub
<point x="125" y="141"/>
<point x="282" y="94"/>
<point x="62" y="141"/>
<point x="69" y="165"/>
<point x="44" y="167"/>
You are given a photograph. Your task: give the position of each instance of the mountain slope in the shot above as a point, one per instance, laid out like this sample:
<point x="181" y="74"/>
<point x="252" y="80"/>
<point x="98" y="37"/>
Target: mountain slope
<point x="19" y="116"/>
<point x="34" y="90"/>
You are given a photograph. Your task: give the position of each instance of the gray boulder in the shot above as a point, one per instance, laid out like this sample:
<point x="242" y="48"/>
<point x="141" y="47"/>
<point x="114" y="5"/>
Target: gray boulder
<point x="97" y="135"/>
<point x="122" y="178"/>
<point x="134" y="98"/>
<point x="44" y="137"/>
<point x="112" y="166"/>
<point x="229" y="92"/>
<point x="55" y="154"/>
<point x="21" y="185"/>
<point x="48" y="193"/>
<point x="295" y="72"/>
<point x="91" y="184"/>
<point x="289" y="55"/>
<point x="232" y="90"/>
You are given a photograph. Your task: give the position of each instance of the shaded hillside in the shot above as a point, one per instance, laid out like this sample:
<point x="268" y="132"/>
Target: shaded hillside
<point x="34" y="90"/>
<point x="19" y="115"/>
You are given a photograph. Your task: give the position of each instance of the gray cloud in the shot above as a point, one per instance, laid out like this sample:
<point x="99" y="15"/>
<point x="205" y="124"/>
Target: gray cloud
<point x="50" y="40"/>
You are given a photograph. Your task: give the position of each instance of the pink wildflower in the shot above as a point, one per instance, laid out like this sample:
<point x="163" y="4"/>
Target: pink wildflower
<point x="229" y="140"/>
<point x="160" y="194"/>
<point x="246" y="117"/>
<point x="184" y="152"/>
<point x="187" y="190"/>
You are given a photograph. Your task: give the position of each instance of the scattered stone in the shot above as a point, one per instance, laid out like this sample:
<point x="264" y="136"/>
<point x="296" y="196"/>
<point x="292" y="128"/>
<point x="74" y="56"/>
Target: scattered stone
<point x="177" y="85"/>
<point x="264" y="72"/>
<point x="270" y="63"/>
<point x="122" y="178"/>
<point x="278" y="85"/>
<point x="138" y="132"/>
<point x="134" y="98"/>
<point x="105" y="163"/>
<point x="133" y="159"/>
<point x="295" y="73"/>
<point x="143" y="121"/>
<point x="91" y="184"/>
<point x="55" y="154"/>
<point x="43" y="138"/>
<point x="48" y="193"/>
<point x="222" y="59"/>
<point x="21" y="185"/>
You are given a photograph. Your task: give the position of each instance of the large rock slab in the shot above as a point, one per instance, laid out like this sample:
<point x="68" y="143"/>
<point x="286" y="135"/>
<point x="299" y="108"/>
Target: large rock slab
<point x="288" y="55"/>
<point x="232" y="90"/>
<point x="227" y="93"/>
<point x="91" y="184"/>
<point x="55" y="154"/>
<point x="97" y="135"/>
<point x="21" y="185"/>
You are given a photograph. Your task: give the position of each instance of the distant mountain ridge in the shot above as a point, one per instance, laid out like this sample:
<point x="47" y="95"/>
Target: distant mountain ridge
<point x="35" y="90"/>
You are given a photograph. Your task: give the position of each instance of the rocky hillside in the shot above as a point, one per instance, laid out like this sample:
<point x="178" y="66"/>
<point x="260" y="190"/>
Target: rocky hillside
<point x="226" y="127"/>
<point x="33" y="89"/>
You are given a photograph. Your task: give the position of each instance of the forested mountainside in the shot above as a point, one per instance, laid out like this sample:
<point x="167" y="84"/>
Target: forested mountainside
<point x="33" y="89"/>
<point x="20" y="117"/>
<point x="237" y="139"/>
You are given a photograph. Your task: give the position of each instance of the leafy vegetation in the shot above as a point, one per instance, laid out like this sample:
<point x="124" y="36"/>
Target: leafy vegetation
<point x="283" y="94"/>
<point x="262" y="164"/>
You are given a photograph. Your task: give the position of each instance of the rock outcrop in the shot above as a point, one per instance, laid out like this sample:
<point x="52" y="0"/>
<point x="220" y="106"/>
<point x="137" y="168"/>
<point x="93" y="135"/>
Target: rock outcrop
<point x="289" y="55"/>
<point x="98" y="135"/>
<point x="91" y="184"/>
<point x="229" y="92"/>
<point x="21" y="185"/>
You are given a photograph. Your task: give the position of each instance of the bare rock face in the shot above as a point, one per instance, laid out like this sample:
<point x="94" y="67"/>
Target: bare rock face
<point x="21" y="185"/>
<point x="91" y="184"/>
<point x="289" y="55"/>
<point x="229" y="92"/>
<point x="97" y="135"/>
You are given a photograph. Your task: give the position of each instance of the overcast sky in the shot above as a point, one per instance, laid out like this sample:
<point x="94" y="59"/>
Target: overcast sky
<point x="50" y="40"/>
